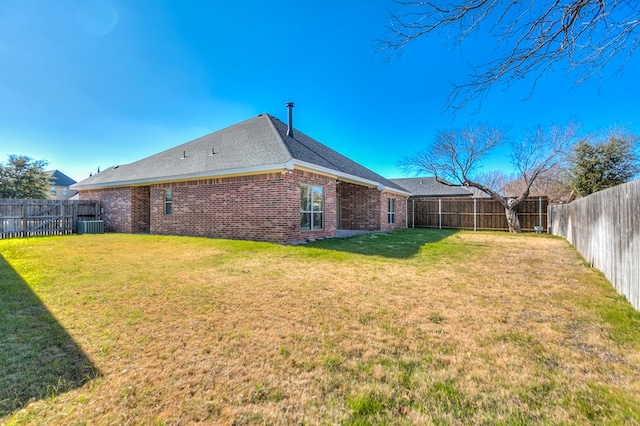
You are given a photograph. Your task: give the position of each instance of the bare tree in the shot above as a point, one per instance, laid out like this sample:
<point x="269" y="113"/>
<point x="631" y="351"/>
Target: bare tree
<point x="455" y="158"/>
<point x="496" y="179"/>
<point x="530" y="37"/>
<point x="553" y="184"/>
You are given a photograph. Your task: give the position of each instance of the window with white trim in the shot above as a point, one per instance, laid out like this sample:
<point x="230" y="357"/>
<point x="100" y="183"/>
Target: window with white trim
<point x="391" y="210"/>
<point x="168" y="202"/>
<point x="311" y="208"/>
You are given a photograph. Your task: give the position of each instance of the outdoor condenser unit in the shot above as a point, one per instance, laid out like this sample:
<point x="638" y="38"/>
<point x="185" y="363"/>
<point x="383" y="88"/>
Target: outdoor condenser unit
<point x="90" y="227"/>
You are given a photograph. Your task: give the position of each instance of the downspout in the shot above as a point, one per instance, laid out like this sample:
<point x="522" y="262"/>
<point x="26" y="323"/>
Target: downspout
<point x="406" y="213"/>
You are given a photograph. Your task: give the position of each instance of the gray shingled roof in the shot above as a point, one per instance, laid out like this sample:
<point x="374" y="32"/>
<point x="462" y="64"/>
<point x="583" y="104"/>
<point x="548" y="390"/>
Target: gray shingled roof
<point x="254" y="145"/>
<point x="306" y="149"/>
<point x="430" y="187"/>
<point x="59" y="179"/>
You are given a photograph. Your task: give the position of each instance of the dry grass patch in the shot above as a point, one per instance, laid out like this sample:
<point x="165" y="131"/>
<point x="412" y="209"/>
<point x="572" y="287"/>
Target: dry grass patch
<point x="410" y="327"/>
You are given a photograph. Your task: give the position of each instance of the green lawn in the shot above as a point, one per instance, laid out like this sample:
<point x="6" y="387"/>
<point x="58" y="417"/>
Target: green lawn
<point x="407" y="327"/>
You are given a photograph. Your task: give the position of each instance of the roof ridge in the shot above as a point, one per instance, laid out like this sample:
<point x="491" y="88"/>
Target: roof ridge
<point x="60" y="178"/>
<point x="278" y="134"/>
<point x="335" y="161"/>
<point x="308" y="146"/>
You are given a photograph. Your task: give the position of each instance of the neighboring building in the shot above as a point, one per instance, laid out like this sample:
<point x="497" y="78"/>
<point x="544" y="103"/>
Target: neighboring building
<point x="258" y="180"/>
<point x="60" y="185"/>
<point x="423" y="187"/>
<point x="477" y="193"/>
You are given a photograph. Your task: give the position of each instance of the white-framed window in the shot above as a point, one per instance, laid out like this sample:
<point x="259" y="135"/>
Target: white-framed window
<point x="391" y="210"/>
<point x="52" y="190"/>
<point x="311" y="208"/>
<point x="65" y="191"/>
<point x="168" y="202"/>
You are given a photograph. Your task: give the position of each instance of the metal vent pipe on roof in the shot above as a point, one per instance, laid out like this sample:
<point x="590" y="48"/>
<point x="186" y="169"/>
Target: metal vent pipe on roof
<point x="290" y="126"/>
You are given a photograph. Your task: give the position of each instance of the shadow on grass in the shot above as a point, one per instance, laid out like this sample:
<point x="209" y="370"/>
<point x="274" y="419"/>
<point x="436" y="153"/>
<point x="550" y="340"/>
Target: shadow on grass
<point x="399" y="244"/>
<point x="38" y="358"/>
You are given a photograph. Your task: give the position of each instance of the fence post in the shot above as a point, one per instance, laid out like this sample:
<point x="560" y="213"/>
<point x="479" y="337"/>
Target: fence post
<point x="23" y="226"/>
<point x="475" y="213"/>
<point x="540" y="212"/>
<point x="62" y="227"/>
<point x="439" y="213"/>
<point x="74" y="218"/>
<point x="549" y="219"/>
<point x="413" y="212"/>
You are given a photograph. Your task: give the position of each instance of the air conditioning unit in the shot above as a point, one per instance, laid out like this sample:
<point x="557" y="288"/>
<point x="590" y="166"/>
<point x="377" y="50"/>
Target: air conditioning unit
<point x="91" y="227"/>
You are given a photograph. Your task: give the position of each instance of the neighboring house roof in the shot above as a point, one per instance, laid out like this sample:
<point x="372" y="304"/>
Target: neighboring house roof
<point x="59" y="179"/>
<point x="430" y="187"/>
<point x="259" y="144"/>
<point x="477" y="193"/>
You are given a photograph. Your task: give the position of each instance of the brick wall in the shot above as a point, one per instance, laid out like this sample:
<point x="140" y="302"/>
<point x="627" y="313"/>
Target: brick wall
<point x="401" y="209"/>
<point x="363" y="208"/>
<point x="359" y="207"/>
<point x="257" y="207"/>
<point x="115" y="204"/>
<point x="124" y="209"/>
<point x="140" y="209"/>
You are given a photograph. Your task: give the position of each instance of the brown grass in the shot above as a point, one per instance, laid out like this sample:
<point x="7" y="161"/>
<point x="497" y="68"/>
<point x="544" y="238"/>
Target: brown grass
<point x="476" y="328"/>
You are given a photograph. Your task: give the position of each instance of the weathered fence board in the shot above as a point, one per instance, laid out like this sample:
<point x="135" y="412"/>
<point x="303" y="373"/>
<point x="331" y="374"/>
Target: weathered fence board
<point x="605" y="228"/>
<point x="474" y="213"/>
<point x="27" y="218"/>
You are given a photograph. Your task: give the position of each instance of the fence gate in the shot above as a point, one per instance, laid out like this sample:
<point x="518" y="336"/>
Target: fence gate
<point x="26" y="218"/>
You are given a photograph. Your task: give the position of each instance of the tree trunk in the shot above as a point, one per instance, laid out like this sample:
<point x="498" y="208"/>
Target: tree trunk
<point x="512" y="219"/>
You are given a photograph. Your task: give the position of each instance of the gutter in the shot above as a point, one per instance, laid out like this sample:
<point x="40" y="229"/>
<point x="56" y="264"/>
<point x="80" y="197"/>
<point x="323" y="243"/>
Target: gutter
<point x="180" y="178"/>
<point x="282" y="168"/>
<point x="348" y="177"/>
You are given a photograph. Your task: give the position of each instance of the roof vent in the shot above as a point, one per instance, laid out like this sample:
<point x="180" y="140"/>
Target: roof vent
<point x="290" y="126"/>
<point x="184" y="155"/>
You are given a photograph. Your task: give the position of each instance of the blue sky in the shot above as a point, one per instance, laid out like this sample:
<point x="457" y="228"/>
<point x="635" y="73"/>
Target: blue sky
<point x="94" y="83"/>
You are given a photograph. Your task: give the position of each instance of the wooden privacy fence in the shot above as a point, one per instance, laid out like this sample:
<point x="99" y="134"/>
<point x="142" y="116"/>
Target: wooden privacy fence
<point x="605" y="228"/>
<point x="27" y="218"/>
<point x="474" y="213"/>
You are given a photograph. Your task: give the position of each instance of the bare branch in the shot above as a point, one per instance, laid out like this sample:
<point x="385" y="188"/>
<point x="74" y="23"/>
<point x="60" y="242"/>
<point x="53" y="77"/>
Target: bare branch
<point x="455" y="158"/>
<point x="531" y="37"/>
<point x="540" y="151"/>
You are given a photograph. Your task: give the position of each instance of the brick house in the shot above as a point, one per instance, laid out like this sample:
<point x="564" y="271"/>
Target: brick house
<point x="257" y="180"/>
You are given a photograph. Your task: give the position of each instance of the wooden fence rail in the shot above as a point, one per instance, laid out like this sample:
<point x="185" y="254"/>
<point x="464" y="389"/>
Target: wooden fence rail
<point x="605" y="228"/>
<point x="474" y="213"/>
<point x="27" y="218"/>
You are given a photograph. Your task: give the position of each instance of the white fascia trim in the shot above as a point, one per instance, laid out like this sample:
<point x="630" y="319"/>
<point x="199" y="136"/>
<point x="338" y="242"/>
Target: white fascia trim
<point x="289" y="165"/>
<point x="349" y="178"/>
<point x="187" y="177"/>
